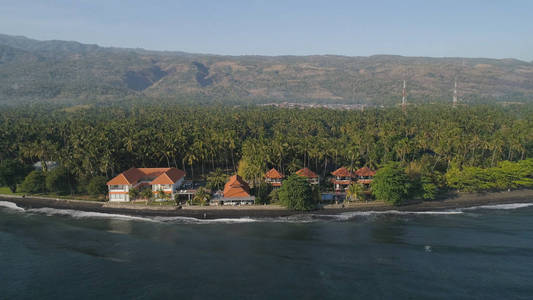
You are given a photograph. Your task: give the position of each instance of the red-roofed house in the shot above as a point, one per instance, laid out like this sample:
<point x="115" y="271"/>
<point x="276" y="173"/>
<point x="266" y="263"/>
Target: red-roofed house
<point x="236" y="191"/>
<point x="312" y="178"/>
<point x="343" y="178"/>
<point x="274" y="177"/>
<point x="365" y="175"/>
<point x="166" y="179"/>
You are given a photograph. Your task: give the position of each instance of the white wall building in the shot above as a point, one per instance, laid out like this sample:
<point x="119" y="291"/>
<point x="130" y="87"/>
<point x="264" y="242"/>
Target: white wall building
<point x="167" y="180"/>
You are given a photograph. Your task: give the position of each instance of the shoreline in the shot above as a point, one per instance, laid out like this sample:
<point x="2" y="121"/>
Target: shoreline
<point x="453" y="201"/>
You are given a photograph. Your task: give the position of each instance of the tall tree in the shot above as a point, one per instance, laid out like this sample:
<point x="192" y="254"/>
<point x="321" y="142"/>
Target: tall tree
<point x="391" y="184"/>
<point x="12" y="172"/>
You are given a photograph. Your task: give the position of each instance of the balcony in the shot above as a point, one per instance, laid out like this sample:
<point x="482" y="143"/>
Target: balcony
<point x="118" y="188"/>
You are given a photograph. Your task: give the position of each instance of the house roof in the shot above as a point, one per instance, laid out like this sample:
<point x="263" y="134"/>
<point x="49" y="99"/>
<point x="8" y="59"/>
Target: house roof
<point x="305" y="172"/>
<point x="273" y="174"/>
<point x="153" y="175"/>
<point x="171" y="176"/>
<point x="342" y="172"/>
<point x="236" y="187"/>
<point x="365" y="171"/>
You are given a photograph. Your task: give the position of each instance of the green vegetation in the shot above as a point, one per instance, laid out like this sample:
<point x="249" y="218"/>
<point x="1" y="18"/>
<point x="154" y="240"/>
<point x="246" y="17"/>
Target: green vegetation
<point x="507" y="175"/>
<point x="355" y="192"/>
<point x="7" y="191"/>
<point x="472" y="148"/>
<point x="12" y="172"/>
<point x="251" y="166"/>
<point x="429" y="189"/>
<point x="73" y="72"/>
<point x="147" y="194"/>
<point x="162" y="196"/>
<point x="201" y="197"/>
<point x="34" y="183"/>
<point x="391" y="184"/>
<point x="297" y="194"/>
<point x="58" y="180"/>
<point x="133" y="193"/>
<point x="97" y="186"/>
<point x="273" y="197"/>
<point x="216" y="180"/>
<point x="262" y="193"/>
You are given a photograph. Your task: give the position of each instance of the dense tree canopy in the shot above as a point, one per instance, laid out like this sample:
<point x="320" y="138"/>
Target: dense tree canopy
<point x="58" y="180"/>
<point x="12" y="172"/>
<point x="507" y="175"/>
<point x="216" y="180"/>
<point x="391" y="184"/>
<point x="105" y="139"/>
<point x="296" y="193"/>
<point x="34" y="183"/>
<point x="97" y="186"/>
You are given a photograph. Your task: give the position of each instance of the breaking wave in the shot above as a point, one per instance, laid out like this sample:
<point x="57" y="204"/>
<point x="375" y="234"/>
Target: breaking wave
<point x="10" y="205"/>
<point x="78" y="214"/>
<point x="501" y="206"/>
<point x="189" y="220"/>
<point x="351" y="215"/>
<point x="298" y="218"/>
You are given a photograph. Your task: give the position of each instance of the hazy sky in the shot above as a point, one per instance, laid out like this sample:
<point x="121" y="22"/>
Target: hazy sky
<point x="484" y="28"/>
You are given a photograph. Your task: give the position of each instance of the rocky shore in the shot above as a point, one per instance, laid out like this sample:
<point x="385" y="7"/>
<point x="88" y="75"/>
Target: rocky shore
<point x="453" y="201"/>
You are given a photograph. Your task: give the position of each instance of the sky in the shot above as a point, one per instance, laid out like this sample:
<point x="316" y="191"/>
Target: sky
<point x="468" y="28"/>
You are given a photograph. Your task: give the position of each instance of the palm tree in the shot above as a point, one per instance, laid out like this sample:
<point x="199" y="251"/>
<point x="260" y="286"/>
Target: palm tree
<point x="201" y="197"/>
<point x="354" y="192"/>
<point x="161" y="195"/>
<point x="147" y="194"/>
<point x="133" y="193"/>
<point x="216" y="179"/>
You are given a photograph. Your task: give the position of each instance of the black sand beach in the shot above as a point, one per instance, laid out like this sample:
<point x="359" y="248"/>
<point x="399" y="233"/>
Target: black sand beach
<point x="455" y="201"/>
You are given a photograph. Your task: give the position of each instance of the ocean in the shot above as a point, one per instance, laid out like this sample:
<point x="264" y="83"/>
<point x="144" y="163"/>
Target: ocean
<point x="479" y="253"/>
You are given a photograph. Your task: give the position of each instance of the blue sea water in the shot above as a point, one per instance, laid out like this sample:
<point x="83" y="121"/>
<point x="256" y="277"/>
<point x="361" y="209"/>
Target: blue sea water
<point x="480" y="253"/>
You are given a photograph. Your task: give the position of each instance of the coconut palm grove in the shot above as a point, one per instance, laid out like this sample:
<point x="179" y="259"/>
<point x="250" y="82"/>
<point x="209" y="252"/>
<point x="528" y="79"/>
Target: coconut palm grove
<point x="427" y="149"/>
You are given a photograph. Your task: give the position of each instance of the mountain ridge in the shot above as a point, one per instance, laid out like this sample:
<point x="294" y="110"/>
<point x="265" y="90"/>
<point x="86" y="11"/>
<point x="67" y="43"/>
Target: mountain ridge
<point x="55" y="70"/>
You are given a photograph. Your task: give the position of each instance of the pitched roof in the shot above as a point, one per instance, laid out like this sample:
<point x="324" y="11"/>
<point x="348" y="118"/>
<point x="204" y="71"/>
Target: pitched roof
<point x="305" y="172"/>
<point x="236" y="187"/>
<point x="365" y="171"/>
<point x="154" y="175"/>
<point x="273" y="174"/>
<point x="171" y="176"/>
<point x="342" y="172"/>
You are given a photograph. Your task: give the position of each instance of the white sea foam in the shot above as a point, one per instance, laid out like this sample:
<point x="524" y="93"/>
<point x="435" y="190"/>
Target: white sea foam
<point x="354" y="214"/>
<point x="189" y="220"/>
<point x="500" y="206"/>
<point x="10" y="205"/>
<point x="78" y="214"/>
<point x="300" y="218"/>
<point x="181" y="220"/>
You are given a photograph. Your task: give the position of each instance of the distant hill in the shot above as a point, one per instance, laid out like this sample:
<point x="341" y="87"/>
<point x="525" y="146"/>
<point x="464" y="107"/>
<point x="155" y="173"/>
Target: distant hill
<point x="63" y="70"/>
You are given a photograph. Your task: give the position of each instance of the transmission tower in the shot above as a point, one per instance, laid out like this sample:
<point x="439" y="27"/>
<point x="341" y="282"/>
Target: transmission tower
<point x="404" y="96"/>
<point x="455" y="93"/>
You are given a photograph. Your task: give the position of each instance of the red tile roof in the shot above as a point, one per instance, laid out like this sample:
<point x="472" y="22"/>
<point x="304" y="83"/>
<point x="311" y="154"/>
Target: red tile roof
<point x="171" y="176"/>
<point x="236" y="187"/>
<point x="273" y="174"/>
<point x="305" y="172"/>
<point x="365" y="171"/>
<point x="342" y="172"/>
<point x="154" y="175"/>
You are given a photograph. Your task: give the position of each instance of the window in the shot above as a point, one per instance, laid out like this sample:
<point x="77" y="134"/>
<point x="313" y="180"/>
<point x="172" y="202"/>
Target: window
<point x="116" y="197"/>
